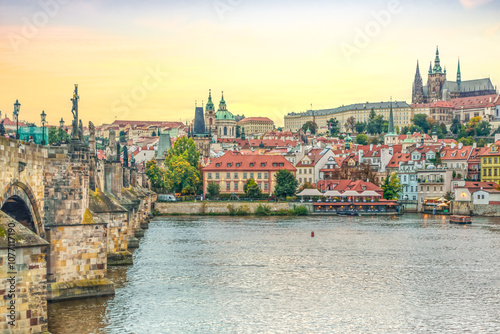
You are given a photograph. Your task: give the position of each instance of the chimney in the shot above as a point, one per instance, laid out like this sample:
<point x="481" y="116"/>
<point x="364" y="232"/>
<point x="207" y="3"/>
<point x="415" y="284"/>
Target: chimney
<point x="371" y="147"/>
<point x="474" y="145"/>
<point x="460" y="145"/>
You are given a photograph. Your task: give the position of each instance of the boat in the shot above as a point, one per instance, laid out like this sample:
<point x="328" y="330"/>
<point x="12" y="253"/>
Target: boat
<point x="460" y="219"/>
<point x="347" y="213"/>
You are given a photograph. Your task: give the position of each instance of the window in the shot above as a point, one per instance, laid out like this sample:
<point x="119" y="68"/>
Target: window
<point x="262" y="164"/>
<point x="495" y="172"/>
<point x="229" y="164"/>
<point x="265" y="186"/>
<point x="489" y="172"/>
<point x="259" y="175"/>
<point x="209" y="176"/>
<point x="238" y="164"/>
<point x="251" y="175"/>
<point x="235" y="175"/>
<point x="300" y="180"/>
<point x="216" y="175"/>
<point x="236" y="186"/>
<point x="228" y="175"/>
<point x="265" y="175"/>
<point x="495" y="160"/>
<point x="275" y="164"/>
<point x="252" y="164"/>
<point x="228" y="186"/>
<point x="260" y="186"/>
<point x="310" y="171"/>
<point x="218" y="164"/>
<point x="282" y="164"/>
<point x="244" y="176"/>
<point x="300" y="171"/>
<point x="489" y="160"/>
<point x="484" y="172"/>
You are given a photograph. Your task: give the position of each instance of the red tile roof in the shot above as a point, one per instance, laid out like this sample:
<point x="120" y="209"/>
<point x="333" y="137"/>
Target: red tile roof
<point x="448" y="153"/>
<point x="313" y="155"/>
<point x="475" y="101"/>
<point x="7" y="121"/>
<point x="397" y="158"/>
<point x="232" y="161"/>
<point x="345" y="185"/>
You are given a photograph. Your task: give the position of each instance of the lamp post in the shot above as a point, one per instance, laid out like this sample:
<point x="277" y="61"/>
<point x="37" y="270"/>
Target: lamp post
<point x="61" y="123"/>
<point x="43" y="116"/>
<point x="17" y="107"/>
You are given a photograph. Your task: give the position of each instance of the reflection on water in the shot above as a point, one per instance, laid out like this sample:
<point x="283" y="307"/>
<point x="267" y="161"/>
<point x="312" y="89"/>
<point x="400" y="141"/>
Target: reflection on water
<point x="247" y="275"/>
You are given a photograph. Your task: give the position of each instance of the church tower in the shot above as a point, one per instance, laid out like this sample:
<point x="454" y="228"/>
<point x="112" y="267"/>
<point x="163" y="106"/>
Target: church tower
<point x="391" y="136"/>
<point x="435" y="80"/>
<point x="417" y="95"/>
<point x="209" y="113"/>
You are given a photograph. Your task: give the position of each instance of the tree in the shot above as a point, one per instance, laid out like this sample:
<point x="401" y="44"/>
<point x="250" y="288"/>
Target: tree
<point x="53" y="136"/>
<point x="350" y="124"/>
<point x="466" y="141"/>
<point x="377" y="125"/>
<point x="286" y="184"/>
<point x="392" y="187"/>
<point x="481" y="143"/>
<point x="310" y="125"/>
<point x="421" y="121"/>
<point x="483" y="128"/>
<point x="252" y="189"/>
<point x="432" y="122"/>
<point x="455" y="125"/>
<point x="306" y="185"/>
<point x="122" y="136"/>
<point x="155" y="175"/>
<point x="333" y="126"/>
<point x="153" y="134"/>
<point x="238" y="131"/>
<point x="362" y="139"/>
<point x="360" y="127"/>
<point x="372" y="115"/>
<point x="374" y="140"/>
<point x="181" y="177"/>
<point x="125" y="156"/>
<point x="213" y="189"/>
<point x="444" y="129"/>
<point x="183" y="147"/>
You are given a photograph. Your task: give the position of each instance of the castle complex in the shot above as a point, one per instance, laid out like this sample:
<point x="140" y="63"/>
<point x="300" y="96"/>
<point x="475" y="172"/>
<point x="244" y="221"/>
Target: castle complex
<point x="439" y="88"/>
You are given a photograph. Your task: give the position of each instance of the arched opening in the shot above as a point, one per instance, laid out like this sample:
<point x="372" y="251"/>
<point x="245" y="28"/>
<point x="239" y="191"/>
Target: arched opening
<point x="17" y="208"/>
<point x="225" y="131"/>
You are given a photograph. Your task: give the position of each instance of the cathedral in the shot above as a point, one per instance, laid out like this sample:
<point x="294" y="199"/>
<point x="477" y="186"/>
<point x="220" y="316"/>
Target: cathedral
<point x="222" y="123"/>
<point x="438" y="88"/>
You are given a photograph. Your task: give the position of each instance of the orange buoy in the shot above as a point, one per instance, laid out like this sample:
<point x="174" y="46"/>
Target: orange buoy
<point x="312" y="234"/>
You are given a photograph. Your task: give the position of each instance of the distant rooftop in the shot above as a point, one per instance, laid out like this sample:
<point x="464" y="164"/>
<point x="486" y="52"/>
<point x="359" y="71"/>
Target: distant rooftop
<point x="355" y="106"/>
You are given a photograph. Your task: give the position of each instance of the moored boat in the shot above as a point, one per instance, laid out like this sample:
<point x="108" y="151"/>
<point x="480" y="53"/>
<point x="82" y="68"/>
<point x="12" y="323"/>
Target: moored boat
<point x="460" y="219"/>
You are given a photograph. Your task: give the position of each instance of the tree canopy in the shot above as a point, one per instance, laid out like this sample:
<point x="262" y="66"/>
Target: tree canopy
<point x="392" y="187"/>
<point x="421" y="121"/>
<point x="362" y="139"/>
<point x="213" y="189"/>
<point x="333" y="126"/>
<point x="185" y="147"/>
<point x="286" y="184"/>
<point x="181" y="177"/>
<point x="155" y="175"/>
<point x="252" y="189"/>
<point x="310" y="125"/>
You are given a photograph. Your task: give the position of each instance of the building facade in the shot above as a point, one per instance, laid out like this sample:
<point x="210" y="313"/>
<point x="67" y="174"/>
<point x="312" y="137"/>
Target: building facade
<point x="256" y="125"/>
<point x="232" y="170"/>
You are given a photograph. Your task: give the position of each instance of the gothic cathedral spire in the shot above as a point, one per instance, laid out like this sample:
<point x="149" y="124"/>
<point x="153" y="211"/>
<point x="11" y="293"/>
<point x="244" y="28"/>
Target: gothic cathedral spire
<point x="418" y="87"/>
<point x="459" y="74"/>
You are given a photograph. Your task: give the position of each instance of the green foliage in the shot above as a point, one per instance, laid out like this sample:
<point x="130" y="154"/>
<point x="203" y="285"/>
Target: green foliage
<point x="213" y="189"/>
<point x="242" y="210"/>
<point x="392" y="187"/>
<point x="122" y="136"/>
<point x="181" y="176"/>
<point x="483" y="128"/>
<point x="155" y="175"/>
<point x="286" y="184"/>
<point x="449" y="196"/>
<point x="300" y="211"/>
<point x="262" y="210"/>
<point x="374" y="140"/>
<point x="252" y="189"/>
<point x="481" y="143"/>
<point x="333" y="125"/>
<point x="362" y="139"/>
<point x="422" y="122"/>
<point x="183" y="147"/>
<point x="360" y="127"/>
<point x="310" y="125"/>
<point x="455" y="125"/>
<point x="444" y="130"/>
<point x="466" y="141"/>
<point x="284" y="212"/>
<point x="58" y="136"/>
<point x="306" y="185"/>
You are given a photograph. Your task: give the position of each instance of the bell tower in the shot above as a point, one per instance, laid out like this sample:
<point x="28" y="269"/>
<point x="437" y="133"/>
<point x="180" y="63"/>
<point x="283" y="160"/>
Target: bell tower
<point x="209" y="113"/>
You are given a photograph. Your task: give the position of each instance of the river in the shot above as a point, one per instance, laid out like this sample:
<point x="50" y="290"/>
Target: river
<point x="407" y="274"/>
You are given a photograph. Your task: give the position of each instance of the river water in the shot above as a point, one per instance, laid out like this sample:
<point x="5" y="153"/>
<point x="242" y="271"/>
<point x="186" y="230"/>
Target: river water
<point x="408" y="274"/>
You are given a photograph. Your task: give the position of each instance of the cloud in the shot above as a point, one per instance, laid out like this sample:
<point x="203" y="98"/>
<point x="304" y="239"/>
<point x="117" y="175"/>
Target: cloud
<point x="493" y="30"/>
<point x="474" y="3"/>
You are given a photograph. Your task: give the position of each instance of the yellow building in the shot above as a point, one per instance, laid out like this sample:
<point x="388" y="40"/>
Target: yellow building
<point x="403" y="114"/>
<point x="256" y="125"/>
<point x="490" y="165"/>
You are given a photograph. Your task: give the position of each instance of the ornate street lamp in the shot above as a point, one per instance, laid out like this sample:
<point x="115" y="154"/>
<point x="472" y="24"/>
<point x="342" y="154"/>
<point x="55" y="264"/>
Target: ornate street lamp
<point x="61" y="123"/>
<point x="17" y="107"/>
<point x="61" y="131"/>
<point x="44" y="120"/>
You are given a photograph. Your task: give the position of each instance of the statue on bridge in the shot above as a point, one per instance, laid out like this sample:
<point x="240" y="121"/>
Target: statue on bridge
<point x="2" y="129"/>
<point x="77" y="131"/>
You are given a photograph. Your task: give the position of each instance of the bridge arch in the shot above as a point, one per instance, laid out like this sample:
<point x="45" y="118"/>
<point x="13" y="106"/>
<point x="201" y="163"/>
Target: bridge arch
<point x="20" y="203"/>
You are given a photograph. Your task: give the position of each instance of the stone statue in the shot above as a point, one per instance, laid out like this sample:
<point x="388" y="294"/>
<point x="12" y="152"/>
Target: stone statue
<point x="75" y="133"/>
<point x="2" y="129"/>
<point x="91" y="129"/>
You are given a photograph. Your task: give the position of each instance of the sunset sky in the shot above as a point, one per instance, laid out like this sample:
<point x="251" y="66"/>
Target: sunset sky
<point x="151" y="59"/>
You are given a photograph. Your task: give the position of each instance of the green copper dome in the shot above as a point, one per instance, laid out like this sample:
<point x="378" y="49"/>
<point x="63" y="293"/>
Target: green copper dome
<point x="224" y="115"/>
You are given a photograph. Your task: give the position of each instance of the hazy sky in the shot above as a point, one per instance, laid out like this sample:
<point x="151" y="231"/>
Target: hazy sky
<point x="152" y="59"/>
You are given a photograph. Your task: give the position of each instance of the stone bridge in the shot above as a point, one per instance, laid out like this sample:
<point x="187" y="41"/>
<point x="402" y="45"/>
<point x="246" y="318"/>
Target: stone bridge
<point x="66" y="216"/>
